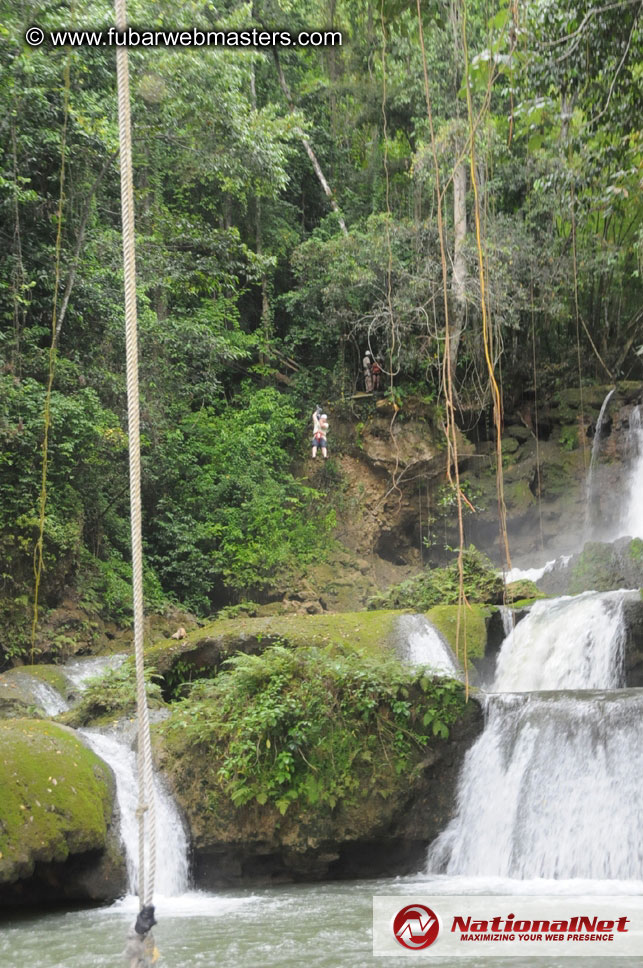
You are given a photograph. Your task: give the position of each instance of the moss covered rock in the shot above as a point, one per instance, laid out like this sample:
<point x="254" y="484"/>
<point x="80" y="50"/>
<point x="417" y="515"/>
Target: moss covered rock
<point x="315" y="763"/>
<point x="56" y="811"/>
<point x="604" y="567"/>
<point x="203" y="651"/>
<point x="473" y="629"/>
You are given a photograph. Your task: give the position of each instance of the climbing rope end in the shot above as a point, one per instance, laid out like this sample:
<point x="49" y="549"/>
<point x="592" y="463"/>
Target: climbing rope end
<point x="140" y="949"/>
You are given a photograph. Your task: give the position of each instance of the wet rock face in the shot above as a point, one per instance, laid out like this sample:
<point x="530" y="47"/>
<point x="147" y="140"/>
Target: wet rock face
<point x="380" y="837"/>
<point x="634" y="643"/>
<point x="545" y="479"/>
<point x="59" y="835"/>
<point x="600" y="566"/>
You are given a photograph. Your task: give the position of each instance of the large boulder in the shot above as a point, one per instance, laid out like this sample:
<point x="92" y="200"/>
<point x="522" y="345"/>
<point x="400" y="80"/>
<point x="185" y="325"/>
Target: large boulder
<point x="600" y="566"/>
<point x="203" y="652"/>
<point x="381" y="835"/>
<point x="59" y="836"/>
<point x="633" y="613"/>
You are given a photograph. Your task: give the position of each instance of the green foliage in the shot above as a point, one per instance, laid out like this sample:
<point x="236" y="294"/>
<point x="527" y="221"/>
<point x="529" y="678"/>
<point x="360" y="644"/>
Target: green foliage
<point x="231" y="516"/>
<point x="246" y="283"/>
<point x="315" y="727"/>
<point x="440" y="586"/>
<point x="113" y="695"/>
<point x="635" y="550"/>
<point x="569" y="438"/>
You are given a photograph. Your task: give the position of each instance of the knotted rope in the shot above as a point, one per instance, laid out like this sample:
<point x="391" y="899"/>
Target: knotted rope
<point x="145" y="811"/>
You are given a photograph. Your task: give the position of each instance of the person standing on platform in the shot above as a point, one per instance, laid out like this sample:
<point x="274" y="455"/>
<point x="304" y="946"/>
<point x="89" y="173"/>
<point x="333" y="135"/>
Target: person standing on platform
<point x="367" y="365"/>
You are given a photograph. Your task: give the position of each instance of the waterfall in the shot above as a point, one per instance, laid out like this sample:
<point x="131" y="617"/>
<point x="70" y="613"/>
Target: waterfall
<point x="632" y="520"/>
<point x="507" y="616"/>
<point x="48" y="698"/>
<point x="592" y="498"/>
<point x="80" y="671"/>
<point x="171" y="840"/>
<point x="114" y="747"/>
<point x="565" y="643"/>
<point x="553" y="787"/>
<point x="422" y="645"/>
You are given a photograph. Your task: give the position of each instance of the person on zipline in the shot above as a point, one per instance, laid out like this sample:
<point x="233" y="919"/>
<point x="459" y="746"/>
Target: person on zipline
<point x="367" y="365"/>
<point x="320" y="428"/>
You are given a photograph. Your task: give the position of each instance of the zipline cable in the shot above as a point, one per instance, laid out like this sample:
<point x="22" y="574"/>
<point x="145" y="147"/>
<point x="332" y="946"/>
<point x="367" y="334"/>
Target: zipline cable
<point x="140" y="944"/>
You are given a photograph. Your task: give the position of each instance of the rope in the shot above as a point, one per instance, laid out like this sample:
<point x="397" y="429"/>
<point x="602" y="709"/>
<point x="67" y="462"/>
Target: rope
<point x="145" y="811"/>
<point x="42" y="503"/>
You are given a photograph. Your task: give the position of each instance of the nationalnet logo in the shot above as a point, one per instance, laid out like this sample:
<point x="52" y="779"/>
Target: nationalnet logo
<point x="477" y="925"/>
<point x="416" y="926"/>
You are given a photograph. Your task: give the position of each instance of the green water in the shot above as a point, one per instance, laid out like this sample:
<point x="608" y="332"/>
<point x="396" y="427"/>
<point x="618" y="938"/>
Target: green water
<point x="312" y="926"/>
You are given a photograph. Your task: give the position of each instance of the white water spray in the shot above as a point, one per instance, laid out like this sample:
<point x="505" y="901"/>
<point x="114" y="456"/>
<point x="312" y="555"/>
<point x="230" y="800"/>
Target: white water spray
<point x="172" y="851"/>
<point x="423" y="645"/>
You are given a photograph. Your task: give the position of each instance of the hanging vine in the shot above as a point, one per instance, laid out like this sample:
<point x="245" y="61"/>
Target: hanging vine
<point x="486" y="334"/>
<point x="453" y="470"/>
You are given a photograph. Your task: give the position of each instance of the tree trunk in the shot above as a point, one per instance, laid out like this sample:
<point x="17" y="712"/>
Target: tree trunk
<point x="307" y="145"/>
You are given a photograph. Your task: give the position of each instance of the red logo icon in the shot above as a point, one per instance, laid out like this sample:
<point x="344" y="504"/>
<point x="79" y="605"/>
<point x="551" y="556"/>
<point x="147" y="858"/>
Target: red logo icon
<point x="416" y="926"/>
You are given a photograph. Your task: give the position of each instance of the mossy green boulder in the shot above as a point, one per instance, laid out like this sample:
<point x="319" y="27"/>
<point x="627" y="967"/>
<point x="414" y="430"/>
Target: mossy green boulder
<point x="473" y="628"/>
<point x="203" y="651"/>
<point x="302" y="763"/>
<point x="56" y="807"/>
<point x="600" y="567"/>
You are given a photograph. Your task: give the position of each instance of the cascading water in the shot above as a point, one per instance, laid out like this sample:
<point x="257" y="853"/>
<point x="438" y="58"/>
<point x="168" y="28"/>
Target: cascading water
<point x="632" y="520"/>
<point x="80" y="671"/>
<point x="554" y="774"/>
<point x="552" y="789"/>
<point x="422" y="645"/>
<point x="172" y="846"/>
<point x="565" y="643"/>
<point x="114" y="747"/>
<point x="49" y="699"/>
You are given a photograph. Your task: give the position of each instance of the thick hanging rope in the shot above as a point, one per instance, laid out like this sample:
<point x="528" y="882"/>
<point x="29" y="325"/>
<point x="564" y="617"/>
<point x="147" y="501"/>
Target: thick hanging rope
<point x="145" y="811"/>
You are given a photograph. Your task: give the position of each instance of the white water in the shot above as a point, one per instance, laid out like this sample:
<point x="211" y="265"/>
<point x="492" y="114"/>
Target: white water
<point x="554" y="786"/>
<point x="48" y="698"/>
<point x="565" y="643"/>
<point x="80" y="671"/>
<point x="632" y="519"/>
<point x="423" y="646"/>
<point x="534" y="574"/>
<point x="171" y="840"/>
<point x="508" y="617"/>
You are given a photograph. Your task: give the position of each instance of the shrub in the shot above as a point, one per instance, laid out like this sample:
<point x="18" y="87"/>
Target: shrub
<point x="320" y="727"/>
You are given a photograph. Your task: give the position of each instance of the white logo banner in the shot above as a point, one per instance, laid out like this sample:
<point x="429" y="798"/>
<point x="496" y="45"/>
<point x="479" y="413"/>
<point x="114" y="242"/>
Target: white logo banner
<point x="494" y="925"/>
